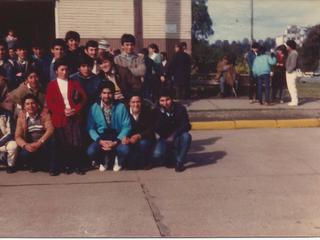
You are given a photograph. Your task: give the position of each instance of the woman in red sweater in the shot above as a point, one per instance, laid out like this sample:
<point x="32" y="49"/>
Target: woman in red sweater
<point x="66" y="100"/>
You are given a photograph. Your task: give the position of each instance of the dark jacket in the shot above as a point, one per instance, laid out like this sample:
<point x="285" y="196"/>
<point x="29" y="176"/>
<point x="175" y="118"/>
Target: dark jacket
<point x="144" y="125"/>
<point x="8" y="67"/>
<point x="72" y="58"/>
<point x="180" y="68"/>
<point x="21" y="69"/>
<point x="43" y="68"/>
<point x="173" y="122"/>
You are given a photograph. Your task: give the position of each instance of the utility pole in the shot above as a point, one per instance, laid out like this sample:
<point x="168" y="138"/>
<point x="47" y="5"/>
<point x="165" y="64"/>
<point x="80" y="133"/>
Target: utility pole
<point x="251" y="21"/>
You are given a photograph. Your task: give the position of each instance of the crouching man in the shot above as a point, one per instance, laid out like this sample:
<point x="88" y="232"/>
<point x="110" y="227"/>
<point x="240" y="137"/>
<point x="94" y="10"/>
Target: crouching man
<point x="172" y="127"/>
<point x="8" y="147"/>
<point x="108" y="126"/>
<point x="34" y="135"/>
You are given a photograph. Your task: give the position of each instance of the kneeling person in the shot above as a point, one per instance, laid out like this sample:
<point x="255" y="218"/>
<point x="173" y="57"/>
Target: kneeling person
<point x="33" y="134"/>
<point x="108" y="126"/>
<point x="172" y="127"/>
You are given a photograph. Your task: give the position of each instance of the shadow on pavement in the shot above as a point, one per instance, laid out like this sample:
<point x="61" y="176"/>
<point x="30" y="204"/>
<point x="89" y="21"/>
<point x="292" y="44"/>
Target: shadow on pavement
<point x="197" y="158"/>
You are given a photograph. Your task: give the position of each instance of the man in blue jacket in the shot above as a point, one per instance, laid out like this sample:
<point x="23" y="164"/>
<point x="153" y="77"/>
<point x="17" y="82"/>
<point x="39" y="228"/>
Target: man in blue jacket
<point x="109" y="126"/>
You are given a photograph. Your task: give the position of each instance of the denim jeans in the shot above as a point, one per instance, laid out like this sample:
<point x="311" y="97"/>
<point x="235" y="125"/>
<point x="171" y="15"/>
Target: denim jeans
<point x="45" y="153"/>
<point x="177" y="150"/>
<point x="140" y="153"/>
<point x="97" y="154"/>
<point x="266" y="80"/>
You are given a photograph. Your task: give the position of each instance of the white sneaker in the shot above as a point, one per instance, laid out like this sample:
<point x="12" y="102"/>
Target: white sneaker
<point x="116" y="166"/>
<point x="292" y="104"/>
<point x="102" y="168"/>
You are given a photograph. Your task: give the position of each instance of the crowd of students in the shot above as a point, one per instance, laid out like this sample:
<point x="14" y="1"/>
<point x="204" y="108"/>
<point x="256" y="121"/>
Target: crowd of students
<point x="89" y="105"/>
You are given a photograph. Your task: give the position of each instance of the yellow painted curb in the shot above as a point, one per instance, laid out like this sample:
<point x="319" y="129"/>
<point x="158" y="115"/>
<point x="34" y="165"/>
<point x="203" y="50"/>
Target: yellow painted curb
<point x="255" y="124"/>
<point x="298" y="123"/>
<point x="214" y="125"/>
<point x="241" y="124"/>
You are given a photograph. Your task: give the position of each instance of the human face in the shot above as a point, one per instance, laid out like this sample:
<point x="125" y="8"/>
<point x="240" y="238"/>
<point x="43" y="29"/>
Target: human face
<point x="37" y="52"/>
<point x="85" y="70"/>
<point x="12" y="53"/>
<point x="151" y="51"/>
<point x="135" y="104"/>
<point x="72" y="44"/>
<point x="57" y="52"/>
<point x="62" y="72"/>
<point x="31" y="107"/>
<point x="22" y="53"/>
<point x="128" y="47"/>
<point x="2" y="52"/>
<point x="165" y="102"/>
<point x="106" y="66"/>
<point x="106" y="96"/>
<point x="33" y="80"/>
<point x="92" y="52"/>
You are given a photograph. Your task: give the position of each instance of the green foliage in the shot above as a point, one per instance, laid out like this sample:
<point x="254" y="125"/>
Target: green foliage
<point x="310" y="51"/>
<point x="201" y="21"/>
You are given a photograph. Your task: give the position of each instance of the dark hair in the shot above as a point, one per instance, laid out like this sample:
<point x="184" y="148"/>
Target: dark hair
<point x="178" y="45"/>
<point x="262" y="50"/>
<point x="292" y="44"/>
<point x="72" y="35"/>
<point x="135" y="94"/>
<point x="128" y="38"/>
<point x="4" y="43"/>
<point x="58" y="42"/>
<point x="154" y="46"/>
<point x="107" y="84"/>
<point x="60" y="62"/>
<point x="37" y="44"/>
<point x="255" y="45"/>
<point x="91" y="43"/>
<point x="29" y="96"/>
<point x="21" y="45"/>
<point x="85" y="60"/>
<point x="32" y="70"/>
<point x="283" y="49"/>
<point x="105" y="56"/>
<point x="165" y="92"/>
<point x="183" y="44"/>
<point x="164" y="54"/>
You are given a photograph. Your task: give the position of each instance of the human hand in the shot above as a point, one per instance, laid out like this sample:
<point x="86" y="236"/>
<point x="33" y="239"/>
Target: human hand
<point x="135" y="138"/>
<point x="162" y="79"/>
<point x="125" y="140"/>
<point x="69" y="112"/>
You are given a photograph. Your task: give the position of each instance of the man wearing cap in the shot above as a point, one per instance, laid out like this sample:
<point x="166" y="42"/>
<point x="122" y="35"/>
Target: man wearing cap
<point x="172" y="128"/>
<point x="103" y="46"/>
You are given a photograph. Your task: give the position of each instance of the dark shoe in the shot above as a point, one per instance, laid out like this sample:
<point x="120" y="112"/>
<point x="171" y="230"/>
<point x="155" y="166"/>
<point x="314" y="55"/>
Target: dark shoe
<point x="180" y="167"/>
<point x="68" y="170"/>
<point x="79" y="171"/>
<point x="53" y="173"/>
<point x="11" y="170"/>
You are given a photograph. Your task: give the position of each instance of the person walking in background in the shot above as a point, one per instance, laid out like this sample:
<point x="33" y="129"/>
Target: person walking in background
<point x="279" y="74"/>
<point x="253" y="85"/>
<point x="226" y="74"/>
<point x="261" y="69"/>
<point x="291" y="73"/>
<point x="180" y="69"/>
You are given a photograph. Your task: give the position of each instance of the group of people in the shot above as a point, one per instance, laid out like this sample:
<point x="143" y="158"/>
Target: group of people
<point x="273" y="71"/>
<point x="93" y="106"/>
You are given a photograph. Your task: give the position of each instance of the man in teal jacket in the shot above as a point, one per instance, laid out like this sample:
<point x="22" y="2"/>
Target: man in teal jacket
<point x="109" y="126"/>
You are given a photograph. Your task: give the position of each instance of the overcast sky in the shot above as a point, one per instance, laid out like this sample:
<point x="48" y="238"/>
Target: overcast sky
<point x="231" y="18"/>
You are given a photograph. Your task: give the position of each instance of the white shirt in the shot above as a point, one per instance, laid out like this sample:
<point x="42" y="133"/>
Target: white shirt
<point x="134" y="115"/>
<point x="63" y="87"/>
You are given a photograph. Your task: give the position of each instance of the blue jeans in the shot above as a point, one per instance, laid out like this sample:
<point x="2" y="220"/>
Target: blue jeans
<point x="36" y="159"/>
<point x="97" y="154"/>
<point x="177" y="150"/>
<point x="266" y="80"/>
<point x="140" y="152"/>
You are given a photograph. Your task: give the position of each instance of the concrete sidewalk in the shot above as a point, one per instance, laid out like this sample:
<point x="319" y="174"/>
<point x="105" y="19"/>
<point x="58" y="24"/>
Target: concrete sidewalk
<point x="233" y="113"/>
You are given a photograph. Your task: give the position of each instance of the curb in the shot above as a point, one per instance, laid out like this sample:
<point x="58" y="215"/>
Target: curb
<point x="245" y="124"/>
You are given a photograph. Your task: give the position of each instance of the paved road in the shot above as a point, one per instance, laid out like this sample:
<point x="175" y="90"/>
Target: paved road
<point x="258" y="182"/>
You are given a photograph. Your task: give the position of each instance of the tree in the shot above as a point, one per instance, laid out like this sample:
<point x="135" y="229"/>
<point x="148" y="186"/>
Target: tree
<point x="310" y="51"/>
<point x="201" y="20"/>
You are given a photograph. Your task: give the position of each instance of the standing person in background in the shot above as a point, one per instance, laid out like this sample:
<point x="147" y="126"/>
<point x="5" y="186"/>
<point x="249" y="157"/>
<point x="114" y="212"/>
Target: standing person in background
<point x="253" y="84"/>
<point x="7" y="65"/>
<point x="11" y="39"/>
<point x="57" y="52"/>
<point x="131" y="67"/>
<point x="180" y="69"/>
<point x="91" y="49"/>
<point x="261" y="69"/>
<point x="279" y="73"/>
<point x="74" y="51"/>
<point x="164" y="78"/>
<point x="66" y="100"/>
<point x="291" y="73"/>
<point x="103" y="46"/>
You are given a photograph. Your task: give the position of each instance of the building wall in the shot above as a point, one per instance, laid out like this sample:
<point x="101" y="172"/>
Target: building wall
<point x="95" y="18"/>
